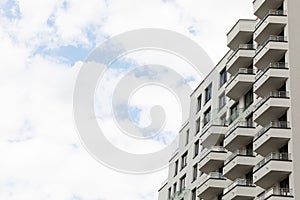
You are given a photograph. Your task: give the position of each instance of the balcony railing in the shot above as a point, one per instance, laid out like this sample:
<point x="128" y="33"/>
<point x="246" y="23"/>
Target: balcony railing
<point x="213" y="122"/>
<point x="276" y="124"/>
<point x="211" y="175"/>
<point x="272" y="156"/>
<point x="270" y="13"/>
<point x="241" y="71"/>
<point x="212" y="149"/>
<point x="273" y="94"/>
<point x="242" y="47"/>
<point x="239" y="152"/>
<point x="271" y="38"/>
<point x="276" y="65"/>
<point x="285" y="192"/>
<point x="239" y="182"/>
<point x="243" y="124"/>
<point x="215" y="175"/>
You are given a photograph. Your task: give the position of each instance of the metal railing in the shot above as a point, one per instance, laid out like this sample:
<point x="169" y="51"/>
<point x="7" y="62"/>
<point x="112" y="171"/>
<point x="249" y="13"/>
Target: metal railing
<point x="274" y="124"/>
<point x="212" y="149"/>
<point x="216" y="175"/>
<point x="273" y="38"/>
<point x="276" y="192"/>
<point x="213" y="122"/>
<point x="272" y="94"/>
<point x="272" y="156"/>
<point x="241" y="71"/>
<point x="270" y="13"/>
<point x="239" y="182"/>
<point x="211" y="175"/>
<point x="239" y="152"/>
<point x="242" y="47"/>
<point x="276" y="65"/>
<point x="243" y="124"/>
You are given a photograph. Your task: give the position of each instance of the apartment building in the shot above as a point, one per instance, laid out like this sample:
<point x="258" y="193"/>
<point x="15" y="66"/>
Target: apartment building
<point x="240" y="141"/>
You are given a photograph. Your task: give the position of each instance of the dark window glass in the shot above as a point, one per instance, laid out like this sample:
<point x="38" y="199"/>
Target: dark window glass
<point x="199" y="103"/>
<point x="208" y="93"/>
<point x="207" y="116"/>
<point x="223" y="77"/>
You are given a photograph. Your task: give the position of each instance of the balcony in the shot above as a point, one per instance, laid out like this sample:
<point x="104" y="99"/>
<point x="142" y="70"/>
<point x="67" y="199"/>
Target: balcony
<point x="212" y="159"/>
<point x="239" y="135"/>
<point x="272" y="137"/>
<point x="277" y="194"/>
<point x="212" y="134"/>
<point x="272" y="169"/>
<point x="261" y="7"/>
<point x="240" y="83"/>
<point x="271" y="107"/>
<point x="241" y="189"/>
<point x="179" y="194"/>
<point x="273" y="49"/>
<point x="212" y="185"/>
<point x="239" y="163"/>
<point x="240" y="33"/>
<point x="272" y="24"/>
<point x="243" y="56"/>
<point x="271" y="78"/>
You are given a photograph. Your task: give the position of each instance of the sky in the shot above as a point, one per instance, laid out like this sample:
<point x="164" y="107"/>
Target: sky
<point x="43" y="45"/>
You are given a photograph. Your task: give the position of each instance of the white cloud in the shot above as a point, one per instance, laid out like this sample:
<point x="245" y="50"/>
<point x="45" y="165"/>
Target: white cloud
<point x="40" y="153"/>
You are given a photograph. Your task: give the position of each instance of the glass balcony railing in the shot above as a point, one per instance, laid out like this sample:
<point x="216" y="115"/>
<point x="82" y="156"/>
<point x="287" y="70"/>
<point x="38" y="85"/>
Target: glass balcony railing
<point x="284" y="192"/>
<point x="276" y="65"/>
<point x="211" y="175"/>
<point x="239" y="152"/>
<point x="215" y="175"/>
<point x="273" y="94"/>
<point x="212" y="149"/>
<point x="242" y="47"/>
<point x="239" y="182"/>
<point x="241" y="71"/>
<point x="271" y="38"/>
<point x="243" y="124"/>
<point x="272" y="156"/>
<point x="270" y="13"/>
<point x="212" y="122"/>
<point x="276" y="124"/>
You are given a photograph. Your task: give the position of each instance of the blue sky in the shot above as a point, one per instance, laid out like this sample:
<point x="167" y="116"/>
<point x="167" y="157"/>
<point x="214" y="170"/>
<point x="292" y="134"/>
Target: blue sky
<point x="43" y="45"/>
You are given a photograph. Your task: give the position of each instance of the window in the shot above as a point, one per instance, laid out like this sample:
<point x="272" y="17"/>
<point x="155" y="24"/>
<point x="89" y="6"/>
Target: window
<point x="169" y="193"/>
<point x="184" y="160"/>
<point x="174" y="188"/>
<point x="194" y="195"/>
<point x="182" y="183"/>
<point x="234" y="112"/>
<point x="223" y="120"/>
<point x="222" y="101"/>
<point x="195" y="172"/>
<point x="198" y="125"/>
<point x="223" y="77"/>
<point x="207" y="116"/>
<point x="208" y="93"/>
<point x="176" y="168"/>
<point x="196" y="148"/>
<point x="187" y="137"/>
<point x="199" y="103"/>
<point x="248" y="98"/>
<point x="249" y="121"/>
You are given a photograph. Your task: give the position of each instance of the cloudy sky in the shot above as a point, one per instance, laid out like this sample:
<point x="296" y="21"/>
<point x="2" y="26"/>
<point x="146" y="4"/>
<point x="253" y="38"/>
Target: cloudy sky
<point x="43" y="45"/>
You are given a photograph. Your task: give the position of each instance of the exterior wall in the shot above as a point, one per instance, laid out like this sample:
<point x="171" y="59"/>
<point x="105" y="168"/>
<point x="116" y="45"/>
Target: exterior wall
<point x="283" y="116"/>
<point x="294" y="59"/>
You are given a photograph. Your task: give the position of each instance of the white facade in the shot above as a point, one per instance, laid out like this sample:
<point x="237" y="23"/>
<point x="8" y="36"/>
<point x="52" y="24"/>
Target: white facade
<point x="243" y="116"/>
